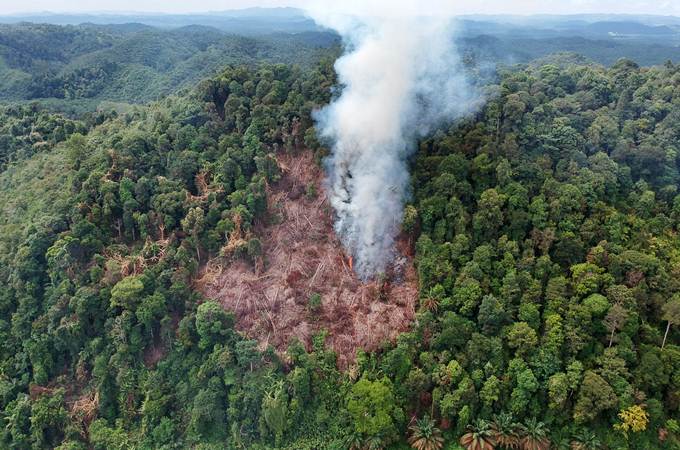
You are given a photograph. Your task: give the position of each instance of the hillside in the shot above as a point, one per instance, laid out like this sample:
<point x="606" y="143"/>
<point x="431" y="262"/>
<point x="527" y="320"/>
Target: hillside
<point x="159" y="272"/>
<point x="511" y="50"/>
<point x="244" y="22"/>
<point x="303" y="283"/>
<point x="74" y="63"/>
<point x="134" y="63"/>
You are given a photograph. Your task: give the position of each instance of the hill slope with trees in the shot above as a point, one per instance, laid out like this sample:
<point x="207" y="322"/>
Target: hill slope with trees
<point x="134" y="63"/>
<point x="546" y="245"/>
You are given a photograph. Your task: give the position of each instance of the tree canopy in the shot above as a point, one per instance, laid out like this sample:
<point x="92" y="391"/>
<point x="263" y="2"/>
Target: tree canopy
<point x="545" y="228"/>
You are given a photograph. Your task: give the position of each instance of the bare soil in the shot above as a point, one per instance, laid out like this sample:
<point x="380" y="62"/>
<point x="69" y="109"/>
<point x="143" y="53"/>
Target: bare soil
<point x="301" y="257"/>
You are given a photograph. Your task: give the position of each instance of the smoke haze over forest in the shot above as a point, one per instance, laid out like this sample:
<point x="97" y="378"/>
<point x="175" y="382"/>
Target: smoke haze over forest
<point x="396" y="87"/>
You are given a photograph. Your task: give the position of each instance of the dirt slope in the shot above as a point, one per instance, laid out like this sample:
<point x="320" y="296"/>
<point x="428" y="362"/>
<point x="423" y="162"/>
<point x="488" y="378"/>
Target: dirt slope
<point x="301" y="257"/>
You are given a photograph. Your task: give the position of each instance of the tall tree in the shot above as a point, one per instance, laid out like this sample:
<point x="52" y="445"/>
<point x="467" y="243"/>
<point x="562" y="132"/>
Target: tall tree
<point x="671" y="314"/>
<point x="614" y="320"/>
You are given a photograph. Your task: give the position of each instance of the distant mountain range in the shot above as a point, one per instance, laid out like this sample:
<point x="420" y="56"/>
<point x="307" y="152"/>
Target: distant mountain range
<point x="137" y="57"/>
<point x="557" y="21"/>
<point x="663" y="30"/>
<point x="251" y="21"/>
<point x="134" y="62"/>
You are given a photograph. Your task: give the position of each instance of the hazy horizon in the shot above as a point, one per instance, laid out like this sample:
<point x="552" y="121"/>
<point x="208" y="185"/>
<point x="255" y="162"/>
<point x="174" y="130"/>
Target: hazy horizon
<point x="493" y="7"/>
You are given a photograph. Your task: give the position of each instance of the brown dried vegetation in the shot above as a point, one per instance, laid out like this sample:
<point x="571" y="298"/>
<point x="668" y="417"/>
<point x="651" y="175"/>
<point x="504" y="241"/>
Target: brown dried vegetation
<point x="302" y="257"/>
<point x="121" y="265"/>
<point x="84" y="409"/>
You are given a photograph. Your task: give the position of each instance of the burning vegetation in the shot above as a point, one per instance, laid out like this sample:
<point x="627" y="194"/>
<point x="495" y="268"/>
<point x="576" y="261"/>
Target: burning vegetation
<point x="304" y="282"/>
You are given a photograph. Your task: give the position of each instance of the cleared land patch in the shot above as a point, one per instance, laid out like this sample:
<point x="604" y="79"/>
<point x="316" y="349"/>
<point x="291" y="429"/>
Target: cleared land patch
<point x="304" y="283"/>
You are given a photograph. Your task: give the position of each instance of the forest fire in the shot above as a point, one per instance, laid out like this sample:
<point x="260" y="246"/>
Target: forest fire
<point x="302" y="260"/>
<point x="393" y="88"/>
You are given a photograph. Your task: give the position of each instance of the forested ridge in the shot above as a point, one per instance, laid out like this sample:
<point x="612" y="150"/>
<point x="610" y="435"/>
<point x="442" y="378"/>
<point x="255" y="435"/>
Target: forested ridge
<point x="545" y="234"/>
<point x="133" y="63"/>
<point x="79" y="66"/>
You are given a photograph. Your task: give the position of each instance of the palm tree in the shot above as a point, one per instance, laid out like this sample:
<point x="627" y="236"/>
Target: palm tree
<point x="425" y="435"/>
<point x="562" y="440"/>
<point x="374" y="443"/>
<point x="585" y="440"/>
<point x="535" y="436"/>
<point x="480" y="436"/>
<point x="354" y="441"/>
<point x="505" y="430"/>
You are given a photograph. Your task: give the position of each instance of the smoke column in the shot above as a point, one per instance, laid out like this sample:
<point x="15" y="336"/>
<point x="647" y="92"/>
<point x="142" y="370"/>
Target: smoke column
<point x="400" y="76"/>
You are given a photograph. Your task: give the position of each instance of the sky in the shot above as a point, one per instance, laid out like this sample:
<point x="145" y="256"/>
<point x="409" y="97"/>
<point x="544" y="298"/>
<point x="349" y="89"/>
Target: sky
<point x="661" y="7"/>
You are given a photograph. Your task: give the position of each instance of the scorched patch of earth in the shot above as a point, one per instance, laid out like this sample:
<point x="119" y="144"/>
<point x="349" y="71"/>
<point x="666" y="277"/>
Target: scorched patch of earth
<point x="302" y="257"/>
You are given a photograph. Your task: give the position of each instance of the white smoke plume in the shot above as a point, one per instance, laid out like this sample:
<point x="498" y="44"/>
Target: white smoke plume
<point x="400" y="77"/>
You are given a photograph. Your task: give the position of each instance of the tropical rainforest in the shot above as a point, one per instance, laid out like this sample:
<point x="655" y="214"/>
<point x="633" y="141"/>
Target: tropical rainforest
<point x="544" y="230"/>
<point x="133" y="63"/>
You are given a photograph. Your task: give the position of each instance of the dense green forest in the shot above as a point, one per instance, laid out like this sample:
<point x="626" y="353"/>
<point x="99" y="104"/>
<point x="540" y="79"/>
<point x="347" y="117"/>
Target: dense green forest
<point x="78" y="67"/>
<point x="134" y="63"/>
<point x="545" y="233"/>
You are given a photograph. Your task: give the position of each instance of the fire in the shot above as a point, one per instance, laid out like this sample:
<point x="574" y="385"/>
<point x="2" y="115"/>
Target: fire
<point x="350" y="261"/>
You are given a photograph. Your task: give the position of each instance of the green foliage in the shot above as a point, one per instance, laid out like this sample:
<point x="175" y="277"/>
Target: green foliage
<point x="212" y="323"/>
<point x="275" y="411"/>
<point x="561" y="294"/>
<point x="374" y="412"/>
<point x="425" y="435"/>
<point x="29" y="130"/>
<point x="136" y="63"/>
<point x="546" y="241"/>
<point x="314" y="302"/>
<point x="127" y="293"/>
<point x="109" y="223"/>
